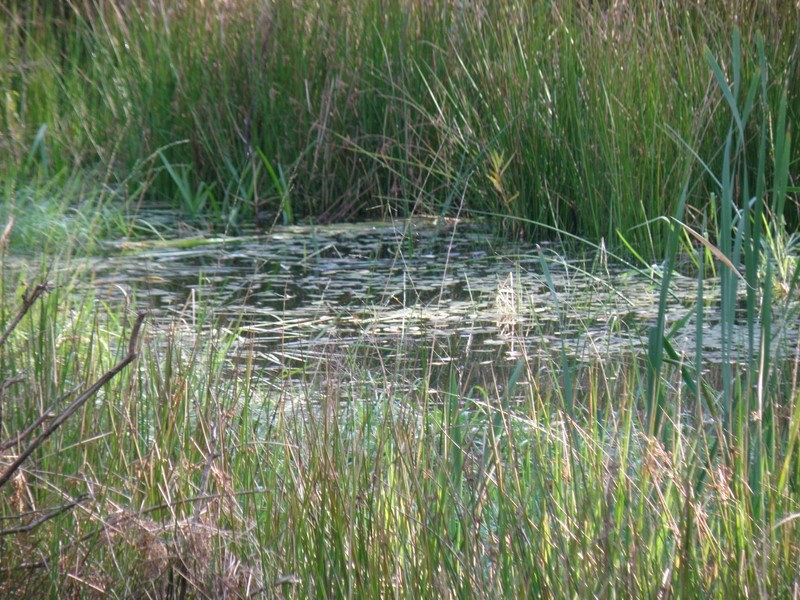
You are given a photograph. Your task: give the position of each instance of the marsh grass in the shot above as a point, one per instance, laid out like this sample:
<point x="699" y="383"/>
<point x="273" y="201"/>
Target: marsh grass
<point x="196" y="474"/>
<point x="332" y="111"/>
<point x="450" y="491"/>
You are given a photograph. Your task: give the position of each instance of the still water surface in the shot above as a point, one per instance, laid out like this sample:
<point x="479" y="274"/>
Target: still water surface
<point x="304" y="292"/>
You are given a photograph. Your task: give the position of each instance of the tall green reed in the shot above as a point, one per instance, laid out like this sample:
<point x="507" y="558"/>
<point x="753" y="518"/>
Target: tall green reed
<point x="359" y="476"/>
<point x="747" y="436"/>
<point x="375" y="109"/>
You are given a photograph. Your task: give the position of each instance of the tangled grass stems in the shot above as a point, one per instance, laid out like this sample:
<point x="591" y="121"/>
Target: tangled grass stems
<point x="202" y="477"/>
<point x="670" y="475"/>
<point x="328" y="111"/>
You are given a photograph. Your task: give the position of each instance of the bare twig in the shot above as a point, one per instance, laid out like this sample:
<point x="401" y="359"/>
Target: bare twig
<point x="78" y="402"/>
<point x="33" y="426"/>
<point x="44" y="518"/>
<point x="27" y="301"/>
<point x="28" y="566"/>
<point x="7" y="383"/>
<point x="3" y="387"/>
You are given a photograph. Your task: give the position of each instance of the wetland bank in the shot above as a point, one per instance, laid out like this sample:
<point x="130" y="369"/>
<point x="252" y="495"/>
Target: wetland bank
<point x="475" y="299"/>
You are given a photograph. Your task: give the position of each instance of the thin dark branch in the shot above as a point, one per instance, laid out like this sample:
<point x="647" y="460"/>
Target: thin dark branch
<point x="7" y="383"/>
<point x="27" y="301"/>
<point x="29" y="566"/>
<point x="44" y="518"/>
<point x="78" y="402"/>
<point x="41" y="419"/>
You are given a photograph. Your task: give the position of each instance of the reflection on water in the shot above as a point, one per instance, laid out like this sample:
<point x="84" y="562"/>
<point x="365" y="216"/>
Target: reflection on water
<point x="305" y="292"/>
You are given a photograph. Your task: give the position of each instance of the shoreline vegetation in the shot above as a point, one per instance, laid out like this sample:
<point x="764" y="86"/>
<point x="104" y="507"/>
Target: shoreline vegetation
<point x="157" y="461"/>
<point x="584" y="117"/>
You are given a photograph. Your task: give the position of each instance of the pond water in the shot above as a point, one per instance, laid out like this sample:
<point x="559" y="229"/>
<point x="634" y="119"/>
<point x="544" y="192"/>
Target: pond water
<point x="302" y="293"/>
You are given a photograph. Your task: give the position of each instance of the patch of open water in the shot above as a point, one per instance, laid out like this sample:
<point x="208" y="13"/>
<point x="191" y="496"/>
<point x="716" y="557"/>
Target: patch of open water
<point x="310" y="292"/>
